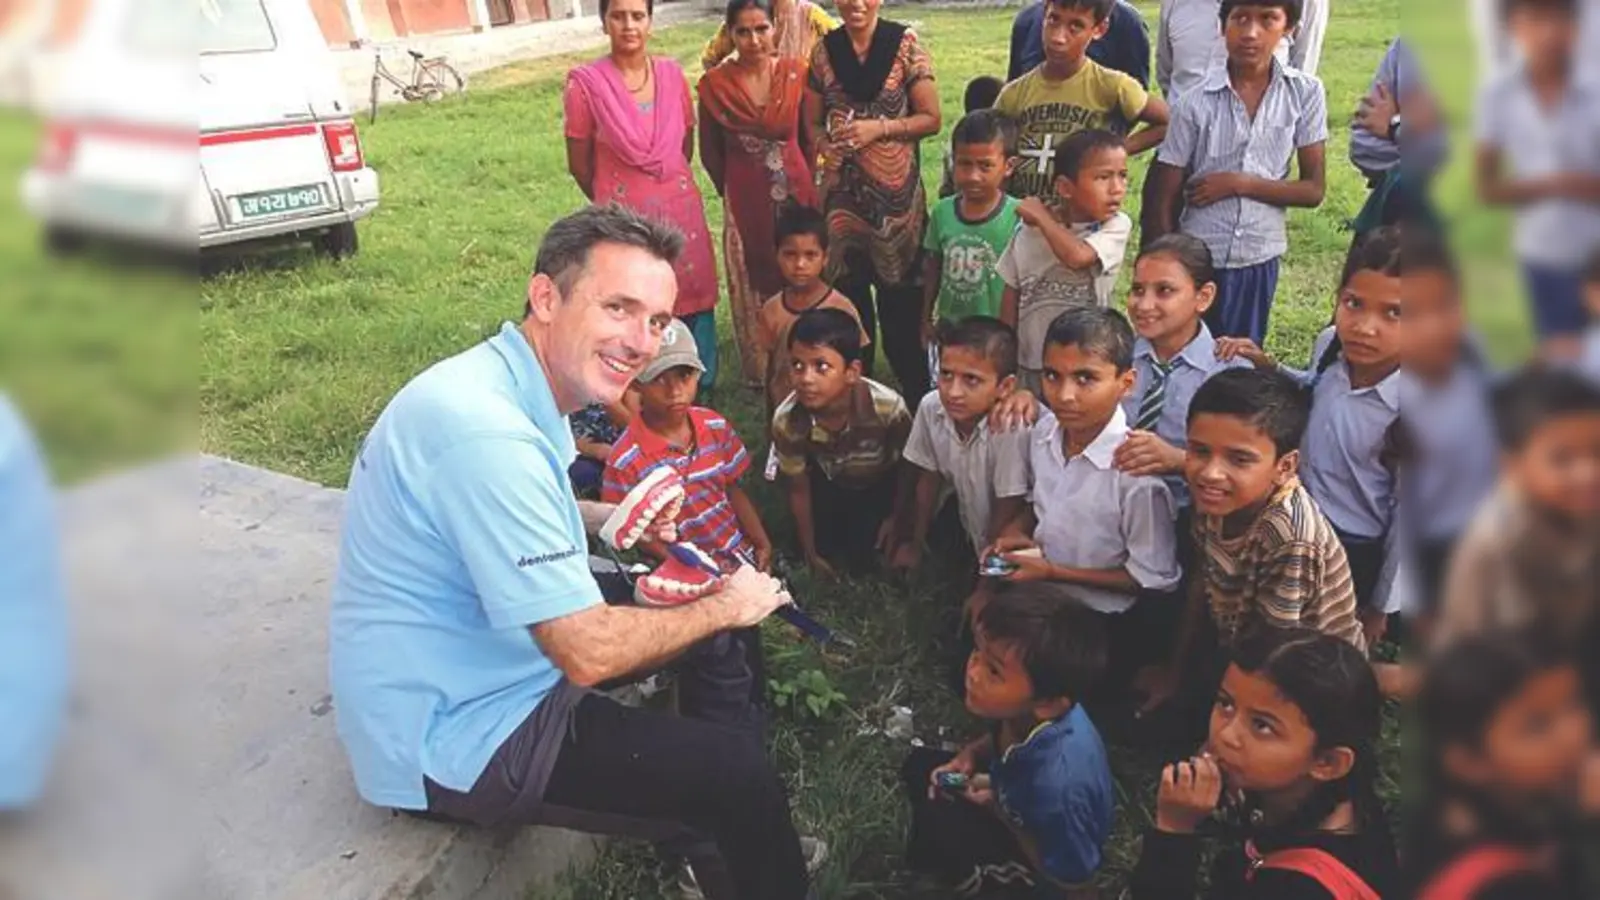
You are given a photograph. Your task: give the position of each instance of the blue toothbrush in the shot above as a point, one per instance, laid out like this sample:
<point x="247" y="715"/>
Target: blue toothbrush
<point x="788" y="612"/>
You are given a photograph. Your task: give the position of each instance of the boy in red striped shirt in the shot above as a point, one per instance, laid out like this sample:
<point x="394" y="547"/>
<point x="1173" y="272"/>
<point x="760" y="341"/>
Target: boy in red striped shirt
<point x="720" y="679"/>
<point x="669" y="430"/>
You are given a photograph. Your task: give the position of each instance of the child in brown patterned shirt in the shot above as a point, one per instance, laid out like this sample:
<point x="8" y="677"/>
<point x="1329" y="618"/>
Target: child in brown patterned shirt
<point x="1264" y="552"/>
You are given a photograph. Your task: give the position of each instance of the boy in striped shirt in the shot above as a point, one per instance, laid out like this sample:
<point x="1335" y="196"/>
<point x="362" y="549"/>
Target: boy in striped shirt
<point x="1265" y="554"/>
<point x="719" y="679"/>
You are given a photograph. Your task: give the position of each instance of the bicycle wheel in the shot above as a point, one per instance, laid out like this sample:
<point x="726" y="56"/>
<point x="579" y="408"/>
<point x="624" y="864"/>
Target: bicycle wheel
<point x="445" y="76"/>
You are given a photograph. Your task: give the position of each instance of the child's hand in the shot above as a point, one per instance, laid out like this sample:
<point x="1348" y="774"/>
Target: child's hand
<point x="1031" y="565"/>
<point x="819" y="567"/>
<point x="1376" y="110"/>
<point x="1188" y="795"/>
<point x="1374" y="623"/>
<point x="1006" y="543"/>
<point x="1229" y="348"/>
<point x="906" y="557"/>
<point x="884" y="542"/>
<point x="929" y="338"/>
<point x="1143" y="453"/>
<point x="980" y="791"/>
<point x="962" y="764"/>
<point x="1157" y="684"/>
<point x="764" y="557"/>
<point x="1208" y="189"/>
<point x="1018" y="409"/>
<point x="1033" y="211"/>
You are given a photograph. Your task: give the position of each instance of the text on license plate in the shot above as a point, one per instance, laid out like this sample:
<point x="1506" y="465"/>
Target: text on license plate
<point x="285" y="200"/>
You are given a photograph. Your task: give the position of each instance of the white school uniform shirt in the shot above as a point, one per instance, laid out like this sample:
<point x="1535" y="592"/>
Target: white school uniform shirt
<point x="1340" y="461"/>
<point x="1196" y="362"/>
<point x="1046" y="287"/>
<point x="1092" y="516"/>
<point x="984" y="467"/>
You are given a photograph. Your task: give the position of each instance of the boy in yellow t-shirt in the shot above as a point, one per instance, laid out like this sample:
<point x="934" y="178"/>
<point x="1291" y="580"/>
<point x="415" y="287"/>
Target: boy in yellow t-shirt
<point x="1069" y="93"/>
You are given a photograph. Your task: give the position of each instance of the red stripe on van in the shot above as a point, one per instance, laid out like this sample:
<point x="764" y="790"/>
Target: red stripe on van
<point x="256" y="134"/>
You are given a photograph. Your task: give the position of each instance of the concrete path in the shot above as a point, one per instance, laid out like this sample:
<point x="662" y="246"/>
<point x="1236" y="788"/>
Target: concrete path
<point x="201" y="759"/>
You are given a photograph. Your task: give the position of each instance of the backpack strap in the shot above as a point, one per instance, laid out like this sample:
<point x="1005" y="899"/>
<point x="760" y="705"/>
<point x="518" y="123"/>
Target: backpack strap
<point x="1319" y="865"/>
<point x="1472" y="870"/>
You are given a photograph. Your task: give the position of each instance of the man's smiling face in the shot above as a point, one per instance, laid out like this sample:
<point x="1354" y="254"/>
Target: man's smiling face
<point x="606" y="326"/>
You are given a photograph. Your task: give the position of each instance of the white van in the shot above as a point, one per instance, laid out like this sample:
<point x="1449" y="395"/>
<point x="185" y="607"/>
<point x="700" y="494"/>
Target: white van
<point x="277" y="157"/>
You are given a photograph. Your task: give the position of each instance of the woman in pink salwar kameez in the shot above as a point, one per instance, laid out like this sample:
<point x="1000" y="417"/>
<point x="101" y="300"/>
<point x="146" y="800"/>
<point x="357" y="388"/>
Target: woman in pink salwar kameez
<point x="630" y="140"/>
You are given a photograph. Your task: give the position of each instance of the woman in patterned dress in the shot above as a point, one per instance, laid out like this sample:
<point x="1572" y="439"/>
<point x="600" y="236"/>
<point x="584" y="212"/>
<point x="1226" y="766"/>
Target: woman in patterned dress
<point x="870" y="101"/>
<point x="630" y="139"/>
<point x="750" y="146"/>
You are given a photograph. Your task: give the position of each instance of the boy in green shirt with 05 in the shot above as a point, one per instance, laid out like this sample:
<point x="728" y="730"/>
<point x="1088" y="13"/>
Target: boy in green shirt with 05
<point x="968" y="231"/>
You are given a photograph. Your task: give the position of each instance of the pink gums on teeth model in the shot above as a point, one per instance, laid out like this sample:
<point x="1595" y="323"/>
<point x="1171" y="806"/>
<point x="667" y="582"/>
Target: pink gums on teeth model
<point x="674" y="582"/>
<point x="656" y="498"/>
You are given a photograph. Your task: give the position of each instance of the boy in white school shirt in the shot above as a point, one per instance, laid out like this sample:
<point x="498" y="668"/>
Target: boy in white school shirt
<point x="1106" y="536"/>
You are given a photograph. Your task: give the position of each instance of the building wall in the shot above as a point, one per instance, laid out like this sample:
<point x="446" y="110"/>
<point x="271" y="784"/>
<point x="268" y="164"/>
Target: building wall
<point x="433" y="16"/>
<point x="334" y="20"/>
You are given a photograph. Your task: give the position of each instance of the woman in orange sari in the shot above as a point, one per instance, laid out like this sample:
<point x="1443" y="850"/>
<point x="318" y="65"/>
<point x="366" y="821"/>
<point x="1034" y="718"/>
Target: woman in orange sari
<point x="750" y="146"/>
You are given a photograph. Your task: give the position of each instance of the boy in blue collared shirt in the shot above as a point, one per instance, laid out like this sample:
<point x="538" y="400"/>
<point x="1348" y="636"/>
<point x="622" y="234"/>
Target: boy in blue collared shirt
<point x="1227" y="153"/>
<point x="1035" y="807"/>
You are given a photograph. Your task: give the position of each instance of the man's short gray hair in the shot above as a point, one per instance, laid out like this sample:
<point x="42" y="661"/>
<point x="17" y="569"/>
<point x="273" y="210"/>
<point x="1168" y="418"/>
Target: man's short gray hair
<point x="564" y="251"/>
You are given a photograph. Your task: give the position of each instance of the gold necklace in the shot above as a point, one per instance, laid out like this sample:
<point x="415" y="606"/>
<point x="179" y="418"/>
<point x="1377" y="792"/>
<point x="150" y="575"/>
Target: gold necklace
<point x="643" y="84"/>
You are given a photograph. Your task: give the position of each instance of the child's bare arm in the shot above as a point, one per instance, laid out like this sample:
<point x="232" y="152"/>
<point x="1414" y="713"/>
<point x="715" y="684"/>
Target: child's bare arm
<point x="750" y="523"/>
<point x="1155" y="116"/>
<point x="924" y="490"/>
<point x="1494" y="187"/>
<point x="1305" y="191"/>
<point x="1073" y="251"/>
<point x="1008" y="306"/>
<point x="804" y="527"/>
<point x="1167" y="189"/>
<point x="592" y="448"/>
<point x="932" y="271"/>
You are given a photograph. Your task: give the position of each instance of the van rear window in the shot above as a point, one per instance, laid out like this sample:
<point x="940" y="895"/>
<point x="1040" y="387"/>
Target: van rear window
<point x="234" y="26"/>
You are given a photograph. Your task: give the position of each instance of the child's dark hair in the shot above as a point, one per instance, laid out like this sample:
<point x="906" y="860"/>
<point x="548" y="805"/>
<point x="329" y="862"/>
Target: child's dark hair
<point x="1264" y="398"/>
<point x="1380" y="250"/>
<point x="1292" y="9"/>
<point x="796" y="219"/>
<point x="1467" y="682"/>
<point x="1076" y="149"/>
<point x="833" y="328"/>
<point x="1533" y="397"/>
<point x="986" y="126"/>
<point x="1061" y="643"/>
<point x="735" y="7"/>
<point x="1187" y="251"/>
<point x="981" y="93"/>
<point x="1101" y="8"/>
<point x="1099" y="330"/>
<point x="1465" y="685"/>
<point x="1333" y="685"/>
<point x="986" y="336"/>
<point x="1507" y="7"/>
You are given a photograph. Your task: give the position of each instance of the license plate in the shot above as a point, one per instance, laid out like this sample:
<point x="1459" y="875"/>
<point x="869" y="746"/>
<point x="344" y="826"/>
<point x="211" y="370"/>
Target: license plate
<point x="285" y="200"/>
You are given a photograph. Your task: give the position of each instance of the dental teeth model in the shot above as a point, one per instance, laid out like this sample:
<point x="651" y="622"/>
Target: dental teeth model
<point x="658" y="497"/>
<point x="675" y="582"/>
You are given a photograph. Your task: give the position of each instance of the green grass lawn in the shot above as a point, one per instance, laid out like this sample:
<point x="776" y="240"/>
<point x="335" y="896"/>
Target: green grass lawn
<point x="297" y="356"/>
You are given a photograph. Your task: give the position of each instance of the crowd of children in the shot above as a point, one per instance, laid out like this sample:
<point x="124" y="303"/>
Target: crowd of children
<point x="1180" y="538"/>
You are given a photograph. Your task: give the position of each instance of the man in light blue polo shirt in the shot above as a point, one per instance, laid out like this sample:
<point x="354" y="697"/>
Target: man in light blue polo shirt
<point x="467" y="628"/>
<point x="33" y="620"/>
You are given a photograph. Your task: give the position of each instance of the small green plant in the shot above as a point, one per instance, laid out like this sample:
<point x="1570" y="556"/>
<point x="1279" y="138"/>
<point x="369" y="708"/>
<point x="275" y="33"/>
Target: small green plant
<point x="808" y="692"/>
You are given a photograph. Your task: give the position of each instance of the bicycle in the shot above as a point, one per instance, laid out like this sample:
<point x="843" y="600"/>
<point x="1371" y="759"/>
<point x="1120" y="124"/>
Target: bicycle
<point x="431" y="78"/>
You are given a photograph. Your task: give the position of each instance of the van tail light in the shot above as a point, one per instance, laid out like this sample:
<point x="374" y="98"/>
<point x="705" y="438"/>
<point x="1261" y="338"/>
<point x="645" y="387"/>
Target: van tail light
<point x="344" y="147"/>
<point x="55" y="153"/>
